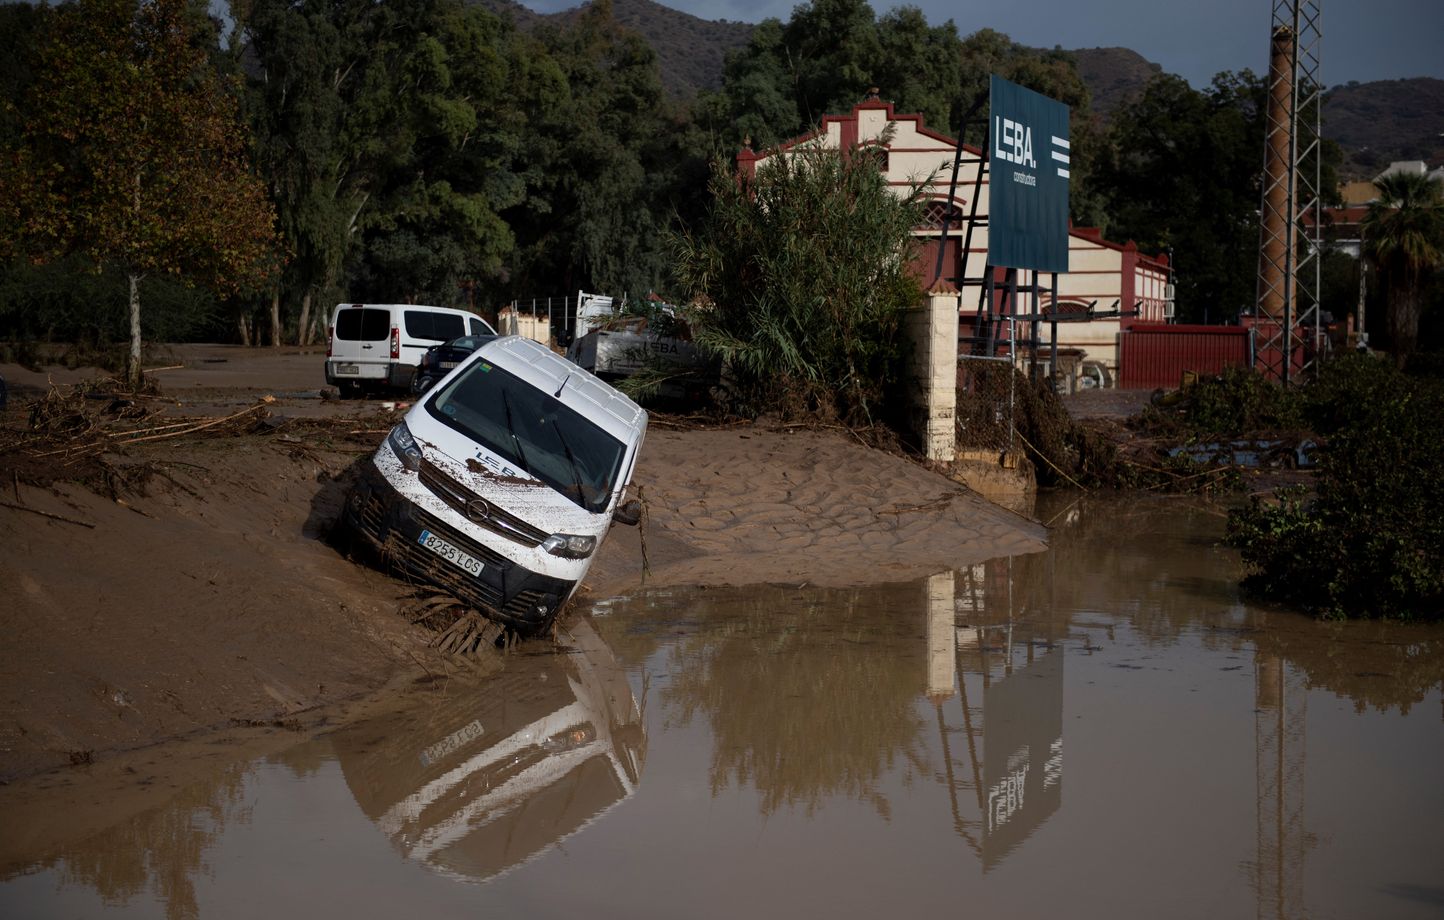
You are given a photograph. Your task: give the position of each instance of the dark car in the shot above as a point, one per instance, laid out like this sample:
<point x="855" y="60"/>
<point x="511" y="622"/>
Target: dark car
<point x="438" y="360"/>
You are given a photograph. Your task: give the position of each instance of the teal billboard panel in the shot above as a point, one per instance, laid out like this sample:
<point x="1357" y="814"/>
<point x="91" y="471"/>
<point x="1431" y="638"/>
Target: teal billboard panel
<point x="1028" y="156"/>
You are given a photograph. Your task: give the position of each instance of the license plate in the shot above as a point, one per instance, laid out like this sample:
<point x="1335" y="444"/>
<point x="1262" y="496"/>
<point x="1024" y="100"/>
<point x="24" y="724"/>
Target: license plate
<point x="448" y="365"/>
<point x="348" y="368"/>
<point x="445" y="550"/>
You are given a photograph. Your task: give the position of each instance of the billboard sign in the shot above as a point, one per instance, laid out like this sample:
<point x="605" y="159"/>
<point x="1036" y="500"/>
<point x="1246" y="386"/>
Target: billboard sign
<point x="1028" y="158"/>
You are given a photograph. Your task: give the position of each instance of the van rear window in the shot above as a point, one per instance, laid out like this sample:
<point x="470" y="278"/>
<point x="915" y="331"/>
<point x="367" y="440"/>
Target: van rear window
<point x="363" y="325"/>
<point x="438" y="327"/>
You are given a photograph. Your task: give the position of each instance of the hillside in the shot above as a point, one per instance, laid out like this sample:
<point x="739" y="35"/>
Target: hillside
<point x="690" y="50"/>
<point x="1113" y="75"/>
<point x="1375" y="122"/>
<point x="1386" y="120"/>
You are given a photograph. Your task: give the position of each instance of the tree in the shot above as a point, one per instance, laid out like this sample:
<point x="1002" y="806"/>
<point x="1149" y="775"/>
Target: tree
<point x="133" y="155"/>
<point x="825" y="60"/>
<point x="600" y="161"/>
<point x="832" y="52"/>
<point x="293" y="103"/>
<point x="1404" y="233"/>
<point x="1183" y="175"/>
<point x="802" y="274"/>
<point x="450" y="150"/>
<point x="390" y="136"/>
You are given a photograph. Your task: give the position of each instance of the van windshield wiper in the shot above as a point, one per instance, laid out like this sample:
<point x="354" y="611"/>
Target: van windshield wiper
<point x="572" y="460"/>
<point x="511" y="429"/>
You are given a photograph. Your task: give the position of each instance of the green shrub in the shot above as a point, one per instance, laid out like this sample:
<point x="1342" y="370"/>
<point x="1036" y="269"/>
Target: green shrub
<point x="1371" y="541"/>
<point x="1239" y="401"/>
<point x="803" y="276"/>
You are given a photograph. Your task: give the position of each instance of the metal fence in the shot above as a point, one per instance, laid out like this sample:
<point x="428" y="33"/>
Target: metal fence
<point x="987" y="403"/>
<point x="560" y="313"/>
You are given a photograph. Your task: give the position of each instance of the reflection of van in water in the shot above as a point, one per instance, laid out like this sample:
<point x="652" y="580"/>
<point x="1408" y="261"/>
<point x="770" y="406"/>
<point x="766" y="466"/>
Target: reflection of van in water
<point x="482" y="781"/>
<point x="373" y="345"/>
<point x="501" y="482"/>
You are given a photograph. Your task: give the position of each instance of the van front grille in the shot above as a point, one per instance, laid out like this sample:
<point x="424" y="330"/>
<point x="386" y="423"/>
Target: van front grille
<point x="479" y="511"/>
<point x="391" y="528"/>
<point x="450" y="534"/>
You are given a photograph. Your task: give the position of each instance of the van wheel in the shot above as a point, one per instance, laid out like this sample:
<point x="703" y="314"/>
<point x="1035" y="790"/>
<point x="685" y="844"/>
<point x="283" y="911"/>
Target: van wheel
<point x="351" y="389"/>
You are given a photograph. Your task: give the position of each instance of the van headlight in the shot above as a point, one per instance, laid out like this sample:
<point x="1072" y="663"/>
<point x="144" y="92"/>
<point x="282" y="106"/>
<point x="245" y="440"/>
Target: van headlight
<point x="569" y="545"/>
<point x="405" y="447"/>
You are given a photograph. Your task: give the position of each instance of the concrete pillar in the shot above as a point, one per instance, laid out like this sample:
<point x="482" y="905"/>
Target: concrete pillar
<point x="932" y="332"/>
<point x="942" y="637"/>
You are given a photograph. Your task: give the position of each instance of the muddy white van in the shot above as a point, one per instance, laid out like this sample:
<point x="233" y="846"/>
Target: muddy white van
<point x="375" y="345"/>
<point x="501" y="482"/>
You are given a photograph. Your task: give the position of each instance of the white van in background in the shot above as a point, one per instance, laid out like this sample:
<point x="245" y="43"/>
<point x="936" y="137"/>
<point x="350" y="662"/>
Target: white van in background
<point x="374" y="345"/>
<point x="502" y="481"/>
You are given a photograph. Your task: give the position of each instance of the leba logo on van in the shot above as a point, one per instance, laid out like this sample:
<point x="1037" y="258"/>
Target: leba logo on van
<point x="1027" y="197"/>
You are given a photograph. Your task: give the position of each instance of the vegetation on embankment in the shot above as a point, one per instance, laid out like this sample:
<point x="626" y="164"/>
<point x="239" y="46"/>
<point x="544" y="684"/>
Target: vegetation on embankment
<point x="1358" y="535"/>
<point x="1369" y="540"/>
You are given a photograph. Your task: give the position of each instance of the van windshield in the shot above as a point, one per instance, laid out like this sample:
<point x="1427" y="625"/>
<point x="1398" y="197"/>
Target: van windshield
<point x="532" y="430"/>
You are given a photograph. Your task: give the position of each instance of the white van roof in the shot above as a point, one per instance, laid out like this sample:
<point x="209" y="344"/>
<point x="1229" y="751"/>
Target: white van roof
<point x="575" y="387"/>
<point x="404" y="306"/>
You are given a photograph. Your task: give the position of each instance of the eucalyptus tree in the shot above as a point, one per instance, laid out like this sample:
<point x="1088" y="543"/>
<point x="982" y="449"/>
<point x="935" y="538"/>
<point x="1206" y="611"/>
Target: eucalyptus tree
<point x="297" y="64"/>
<point x="601" y="162"/>
<point x="388" y="134"/>
<point x="448" y="132"/>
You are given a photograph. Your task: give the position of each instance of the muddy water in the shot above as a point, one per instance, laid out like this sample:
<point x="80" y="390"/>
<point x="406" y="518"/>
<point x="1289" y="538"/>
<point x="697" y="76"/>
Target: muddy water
<point x="1102" y="730"/>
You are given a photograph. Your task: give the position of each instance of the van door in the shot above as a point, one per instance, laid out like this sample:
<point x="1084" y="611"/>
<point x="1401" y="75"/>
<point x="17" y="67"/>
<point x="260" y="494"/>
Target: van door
<point x="360" y="347"/>
<point x="424" y="328"/>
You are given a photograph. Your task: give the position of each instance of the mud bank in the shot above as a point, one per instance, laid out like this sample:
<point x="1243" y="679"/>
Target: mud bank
<point x="208" y="598"/>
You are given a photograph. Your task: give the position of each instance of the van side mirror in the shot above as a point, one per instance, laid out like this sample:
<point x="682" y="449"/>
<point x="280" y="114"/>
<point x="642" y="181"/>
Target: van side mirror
<point x="628" y="512"/>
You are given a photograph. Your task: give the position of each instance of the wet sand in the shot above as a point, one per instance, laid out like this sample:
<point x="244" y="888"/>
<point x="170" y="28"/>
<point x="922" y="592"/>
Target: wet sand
<point x="211" y="598"/>
<point x="756" y="505"/>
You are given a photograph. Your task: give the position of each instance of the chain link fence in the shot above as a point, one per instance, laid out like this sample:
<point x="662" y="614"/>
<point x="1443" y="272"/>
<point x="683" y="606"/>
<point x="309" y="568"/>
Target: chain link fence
<point x="987" y="403"/>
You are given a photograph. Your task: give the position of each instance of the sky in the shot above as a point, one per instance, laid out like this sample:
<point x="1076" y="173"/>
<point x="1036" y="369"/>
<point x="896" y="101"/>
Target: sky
<point x="1373" y="40"/>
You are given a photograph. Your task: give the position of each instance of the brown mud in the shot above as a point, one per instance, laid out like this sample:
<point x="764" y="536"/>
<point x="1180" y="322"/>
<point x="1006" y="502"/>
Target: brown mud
<point x="184" y="585"/>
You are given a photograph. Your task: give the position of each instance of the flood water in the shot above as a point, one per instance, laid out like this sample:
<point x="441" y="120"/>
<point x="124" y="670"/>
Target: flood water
<point x="1101" y="730"/>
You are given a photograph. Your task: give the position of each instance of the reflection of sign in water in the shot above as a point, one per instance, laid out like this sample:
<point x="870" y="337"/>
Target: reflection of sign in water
<point x="1005" y="797"/>
<point x="1022" y="753"/>
<point x="486" y="780"/>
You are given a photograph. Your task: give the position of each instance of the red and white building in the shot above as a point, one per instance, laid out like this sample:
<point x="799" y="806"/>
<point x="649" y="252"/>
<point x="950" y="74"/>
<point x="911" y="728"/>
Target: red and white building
<point x="1107" y="275"/>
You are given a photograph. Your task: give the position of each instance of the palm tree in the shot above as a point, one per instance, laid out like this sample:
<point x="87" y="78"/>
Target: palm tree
<point x="1404" y="230"/>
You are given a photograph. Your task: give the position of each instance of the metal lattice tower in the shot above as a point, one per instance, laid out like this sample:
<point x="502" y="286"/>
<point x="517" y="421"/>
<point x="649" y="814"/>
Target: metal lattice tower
<point x="1283" y="842"/>
<point x="1286" y="314"/>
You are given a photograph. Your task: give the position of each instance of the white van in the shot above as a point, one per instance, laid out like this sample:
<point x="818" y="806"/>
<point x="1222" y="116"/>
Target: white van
<point x="379" y="344"/>
<point x="502" y="481"/>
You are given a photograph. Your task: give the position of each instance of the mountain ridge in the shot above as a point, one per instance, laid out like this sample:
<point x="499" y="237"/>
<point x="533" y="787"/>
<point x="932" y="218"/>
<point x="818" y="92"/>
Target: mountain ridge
<point x="1375" y="122"/>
